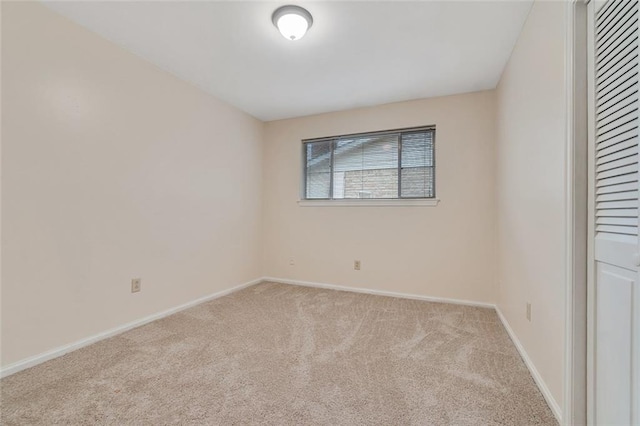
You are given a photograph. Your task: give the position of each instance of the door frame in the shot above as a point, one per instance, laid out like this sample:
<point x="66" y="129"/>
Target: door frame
<point x="577" y="178"/>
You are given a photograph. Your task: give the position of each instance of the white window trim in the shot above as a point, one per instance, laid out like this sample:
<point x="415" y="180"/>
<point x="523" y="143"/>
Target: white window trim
<point x="363" y="202"/>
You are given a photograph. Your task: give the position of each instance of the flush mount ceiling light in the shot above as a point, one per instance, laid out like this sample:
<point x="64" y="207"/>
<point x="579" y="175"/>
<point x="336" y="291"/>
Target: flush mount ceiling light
<point x="292" y="21"/>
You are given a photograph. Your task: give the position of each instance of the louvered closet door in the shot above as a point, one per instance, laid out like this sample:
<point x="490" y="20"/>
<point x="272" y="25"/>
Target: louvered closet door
<point x="615" y="171"/>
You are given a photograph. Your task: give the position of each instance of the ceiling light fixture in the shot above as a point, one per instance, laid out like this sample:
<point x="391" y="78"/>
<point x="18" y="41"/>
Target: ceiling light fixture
<point x="292" y="21"/>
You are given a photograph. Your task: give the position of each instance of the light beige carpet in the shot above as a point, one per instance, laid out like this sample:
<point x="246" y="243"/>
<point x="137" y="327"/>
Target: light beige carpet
<point x="284" y="355"/>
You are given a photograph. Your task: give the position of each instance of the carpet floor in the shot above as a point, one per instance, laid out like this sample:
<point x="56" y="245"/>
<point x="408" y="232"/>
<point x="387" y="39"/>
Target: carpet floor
<point x="277" y="354"/>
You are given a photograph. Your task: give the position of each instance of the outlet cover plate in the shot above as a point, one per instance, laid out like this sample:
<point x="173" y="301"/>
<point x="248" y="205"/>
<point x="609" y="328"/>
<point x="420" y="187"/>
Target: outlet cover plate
<point x="136" y="284"/>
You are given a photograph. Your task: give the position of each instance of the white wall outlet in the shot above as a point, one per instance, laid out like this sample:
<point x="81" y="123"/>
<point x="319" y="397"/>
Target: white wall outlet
<point x="135" y="285"/>
<point x="356" y="265"/>
<point x="529" y="311"/>
<point x="292" y="262"/>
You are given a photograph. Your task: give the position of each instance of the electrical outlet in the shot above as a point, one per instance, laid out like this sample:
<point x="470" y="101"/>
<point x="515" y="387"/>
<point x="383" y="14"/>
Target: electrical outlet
<point x="292" y="262"/>
<point x="356" y="265"/>
<point x="529" y="311"/>
<point x="135" y="285"/>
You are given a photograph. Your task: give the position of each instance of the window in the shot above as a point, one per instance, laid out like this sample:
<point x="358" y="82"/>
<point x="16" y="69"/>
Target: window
<point x="398" y="164"/>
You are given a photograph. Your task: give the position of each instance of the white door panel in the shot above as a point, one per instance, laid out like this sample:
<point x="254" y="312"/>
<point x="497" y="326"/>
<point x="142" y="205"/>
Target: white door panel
<point x="614" y="378"/>
<point x="614" y="305"/>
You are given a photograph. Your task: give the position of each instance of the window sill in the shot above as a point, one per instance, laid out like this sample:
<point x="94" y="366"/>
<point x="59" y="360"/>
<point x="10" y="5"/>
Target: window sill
<point x="423" y="202"/>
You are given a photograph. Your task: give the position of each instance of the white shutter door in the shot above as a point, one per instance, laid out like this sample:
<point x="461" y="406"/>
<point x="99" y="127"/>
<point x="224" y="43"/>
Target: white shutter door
<point x="615" y="169"/>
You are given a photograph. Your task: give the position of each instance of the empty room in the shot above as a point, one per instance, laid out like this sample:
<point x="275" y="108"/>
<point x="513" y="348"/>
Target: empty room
<point x="319" y="213"/>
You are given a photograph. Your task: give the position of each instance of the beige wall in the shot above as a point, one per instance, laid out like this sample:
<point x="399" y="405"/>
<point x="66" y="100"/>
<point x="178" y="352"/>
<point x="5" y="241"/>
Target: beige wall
<point x="113" y="169"/>
<point x="531" y="191"/>
<point x="444" y="251"/>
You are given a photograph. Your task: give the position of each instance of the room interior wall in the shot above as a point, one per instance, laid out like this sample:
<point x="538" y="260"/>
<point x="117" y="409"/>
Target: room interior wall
<point x="532" y="197"/>
<point x="447" y="251"/>
<point x="111" y="170"/>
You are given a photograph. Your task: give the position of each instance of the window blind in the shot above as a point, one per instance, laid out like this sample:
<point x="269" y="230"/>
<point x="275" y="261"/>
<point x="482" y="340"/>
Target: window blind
<point x="382" y="165"/>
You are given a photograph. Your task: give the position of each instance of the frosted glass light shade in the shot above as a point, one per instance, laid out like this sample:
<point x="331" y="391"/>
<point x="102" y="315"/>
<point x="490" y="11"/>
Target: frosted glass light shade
<point x="292" y="21"/>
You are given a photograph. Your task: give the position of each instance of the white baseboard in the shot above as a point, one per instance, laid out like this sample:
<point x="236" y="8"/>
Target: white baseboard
<point x="555" y="408"/>
<point x="57" y="352"/>
<point x="379" y="292"/>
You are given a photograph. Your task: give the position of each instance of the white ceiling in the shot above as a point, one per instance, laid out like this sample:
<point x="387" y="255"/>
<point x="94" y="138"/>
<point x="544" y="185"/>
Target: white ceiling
<point x="356" y="54"/>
